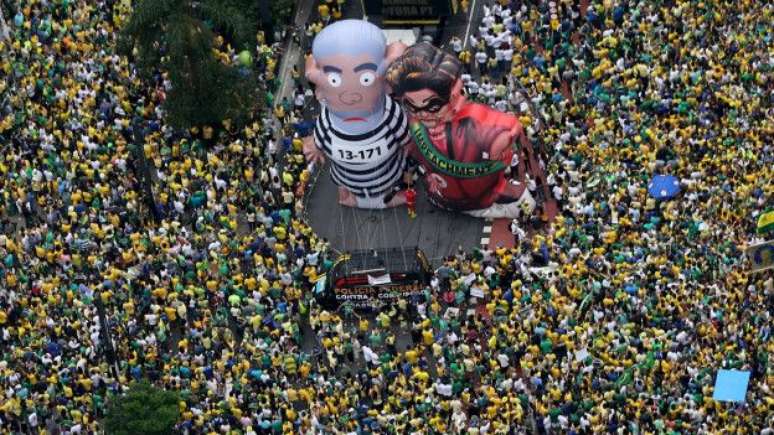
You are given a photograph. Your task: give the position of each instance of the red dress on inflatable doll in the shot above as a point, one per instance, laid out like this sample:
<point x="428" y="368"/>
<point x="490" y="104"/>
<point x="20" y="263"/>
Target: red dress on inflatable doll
<point x="469" y="180"/>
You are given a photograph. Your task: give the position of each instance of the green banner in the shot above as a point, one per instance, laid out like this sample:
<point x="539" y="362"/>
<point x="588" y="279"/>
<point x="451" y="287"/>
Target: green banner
<point x="448" y="166"/>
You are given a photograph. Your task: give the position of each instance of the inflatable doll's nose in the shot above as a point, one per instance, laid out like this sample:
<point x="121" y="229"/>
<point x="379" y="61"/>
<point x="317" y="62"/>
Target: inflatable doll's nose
<point x="350" y="98"/>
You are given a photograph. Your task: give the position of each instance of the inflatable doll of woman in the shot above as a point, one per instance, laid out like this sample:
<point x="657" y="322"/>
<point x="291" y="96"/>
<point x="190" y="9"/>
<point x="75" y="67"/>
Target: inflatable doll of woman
<point x="463" y="149"/>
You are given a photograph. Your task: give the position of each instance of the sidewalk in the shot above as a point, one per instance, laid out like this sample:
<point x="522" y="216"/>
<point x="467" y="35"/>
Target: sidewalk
<point x="293" y="54"/>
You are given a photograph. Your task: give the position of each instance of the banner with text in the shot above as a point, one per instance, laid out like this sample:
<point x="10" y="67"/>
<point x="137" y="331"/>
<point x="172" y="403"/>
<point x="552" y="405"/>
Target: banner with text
<point x="408" y="12"/>
<point x="761" y="256"/>
<point x="371" y="296"/>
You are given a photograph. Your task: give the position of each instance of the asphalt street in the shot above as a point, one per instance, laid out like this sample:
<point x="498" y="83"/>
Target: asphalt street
<point x="437" y="232"/>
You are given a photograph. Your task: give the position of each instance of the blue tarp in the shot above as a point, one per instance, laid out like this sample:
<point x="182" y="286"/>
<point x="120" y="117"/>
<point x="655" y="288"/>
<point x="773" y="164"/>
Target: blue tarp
<point x="664" y="187"/>
<point x="731" y="385"/>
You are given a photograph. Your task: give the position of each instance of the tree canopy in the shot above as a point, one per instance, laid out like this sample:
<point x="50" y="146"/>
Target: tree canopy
<point x="191" y="44"/>
<point x="143" y="410"/>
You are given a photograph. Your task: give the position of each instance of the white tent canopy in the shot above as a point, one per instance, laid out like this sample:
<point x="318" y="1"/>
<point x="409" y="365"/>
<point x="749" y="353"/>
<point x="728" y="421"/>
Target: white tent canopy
<point x="407" y="36"/>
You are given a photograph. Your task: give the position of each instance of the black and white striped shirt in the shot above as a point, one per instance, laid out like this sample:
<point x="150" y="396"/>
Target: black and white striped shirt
<point x="367" y="164"/>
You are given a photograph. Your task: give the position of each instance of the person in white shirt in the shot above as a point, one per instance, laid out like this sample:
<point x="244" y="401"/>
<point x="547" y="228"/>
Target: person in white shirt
<point x="486" y="86"/>
<point x="370" y="356"/>
<point x="473" y="40"/>
<point x="481" y="59"/>
<point x="507" y="58"/>
<point x="498" y="55"/>
<point x="472" y="89"/>
<point x="488" y="20"/>
<point x="508" y="21"/>
<point x="518" y="233"/>
<point x="489" y="38"/>
<point x="456" y="45"/>
<point x="299" y="101"/>
<point x="490" y="95"/>
<point x="151" y="319"/>
<point x="558" y="192"/>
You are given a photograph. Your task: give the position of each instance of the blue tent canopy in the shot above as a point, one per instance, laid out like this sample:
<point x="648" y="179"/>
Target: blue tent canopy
<point x="664" y="187"/>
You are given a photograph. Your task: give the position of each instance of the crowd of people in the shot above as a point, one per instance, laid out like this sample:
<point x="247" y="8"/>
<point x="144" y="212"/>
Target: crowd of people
<point x="330" y="10"/>
<point x="615" y="319"/>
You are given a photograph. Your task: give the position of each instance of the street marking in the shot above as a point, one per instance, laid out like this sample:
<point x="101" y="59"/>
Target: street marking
<point x="487" y="229"/>
<point x="470" y="20"/>
<point x="485" y="241"/>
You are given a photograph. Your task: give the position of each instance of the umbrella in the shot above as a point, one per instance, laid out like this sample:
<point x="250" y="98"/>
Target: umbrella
<point x="766" y="221"/>
<point x="664" y="187"/>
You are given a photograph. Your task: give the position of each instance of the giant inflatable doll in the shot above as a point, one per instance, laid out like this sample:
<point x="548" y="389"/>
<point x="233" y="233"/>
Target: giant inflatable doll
<point x="360" y="129"/>
<point x="463" y="148"/>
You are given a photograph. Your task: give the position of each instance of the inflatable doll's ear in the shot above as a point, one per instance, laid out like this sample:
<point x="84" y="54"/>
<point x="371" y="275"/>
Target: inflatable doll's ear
<point x="312" y="72"/>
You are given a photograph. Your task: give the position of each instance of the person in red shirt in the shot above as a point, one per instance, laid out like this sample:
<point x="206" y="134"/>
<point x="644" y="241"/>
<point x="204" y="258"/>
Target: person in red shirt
<point x="411" y="201"/>
<point x="462" y="148"/>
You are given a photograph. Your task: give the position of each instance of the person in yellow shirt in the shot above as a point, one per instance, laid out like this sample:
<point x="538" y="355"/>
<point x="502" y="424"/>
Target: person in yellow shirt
<point x="411" y="356"/>
<point x="279" y="111"/>
<point x="466" y="57"/>
<point x="171" y="313"/>
<point x="325" y="12"/>
<point x="336" y="13"/>
<point x="427" y="337"/>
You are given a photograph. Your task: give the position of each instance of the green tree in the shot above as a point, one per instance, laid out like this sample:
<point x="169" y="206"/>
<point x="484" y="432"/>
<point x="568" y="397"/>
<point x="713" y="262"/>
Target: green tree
<point x="269" y="14"/>
<point x="143" y="410"/>
<point x="177" y="38"/>
<point x="282" y="11"/>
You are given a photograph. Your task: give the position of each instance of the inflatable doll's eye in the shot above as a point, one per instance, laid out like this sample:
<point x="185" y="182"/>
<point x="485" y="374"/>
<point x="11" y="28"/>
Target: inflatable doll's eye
<point x="334" y="79"/>
<point x="367" y="78"/>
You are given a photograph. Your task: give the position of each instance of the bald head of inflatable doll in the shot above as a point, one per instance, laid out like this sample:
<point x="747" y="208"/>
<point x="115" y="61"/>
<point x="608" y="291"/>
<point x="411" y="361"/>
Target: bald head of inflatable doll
<point x="347" y="66"/>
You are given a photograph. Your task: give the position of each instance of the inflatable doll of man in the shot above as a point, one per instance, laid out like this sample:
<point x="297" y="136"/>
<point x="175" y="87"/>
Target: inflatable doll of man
<point x="360" y="129"/>
<point x="463" y="148"/>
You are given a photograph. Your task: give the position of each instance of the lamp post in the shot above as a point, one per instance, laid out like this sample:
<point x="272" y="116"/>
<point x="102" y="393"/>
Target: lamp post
<point x="142" y="172"/>
<point x="4" y="34"/>
<point x="110" y="350"/>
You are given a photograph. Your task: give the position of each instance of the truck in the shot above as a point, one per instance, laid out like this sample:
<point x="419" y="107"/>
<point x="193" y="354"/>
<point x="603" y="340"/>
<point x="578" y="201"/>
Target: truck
<point x="368" y="279"/>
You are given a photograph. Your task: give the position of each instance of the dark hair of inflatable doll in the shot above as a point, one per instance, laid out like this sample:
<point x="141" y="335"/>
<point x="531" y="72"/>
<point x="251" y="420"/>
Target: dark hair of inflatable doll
<point x="424" y="66"/>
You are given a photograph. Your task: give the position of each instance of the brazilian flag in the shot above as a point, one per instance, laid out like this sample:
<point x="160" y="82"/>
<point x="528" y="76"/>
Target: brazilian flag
<point x="766" y="221"/>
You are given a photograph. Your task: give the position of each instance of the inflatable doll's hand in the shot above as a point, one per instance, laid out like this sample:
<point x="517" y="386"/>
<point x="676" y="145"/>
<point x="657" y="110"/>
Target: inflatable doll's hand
<point x="312" y="153"/>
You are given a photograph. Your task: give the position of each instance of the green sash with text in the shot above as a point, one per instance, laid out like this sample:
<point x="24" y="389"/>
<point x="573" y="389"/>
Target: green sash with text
<point x="446" y="165"/>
